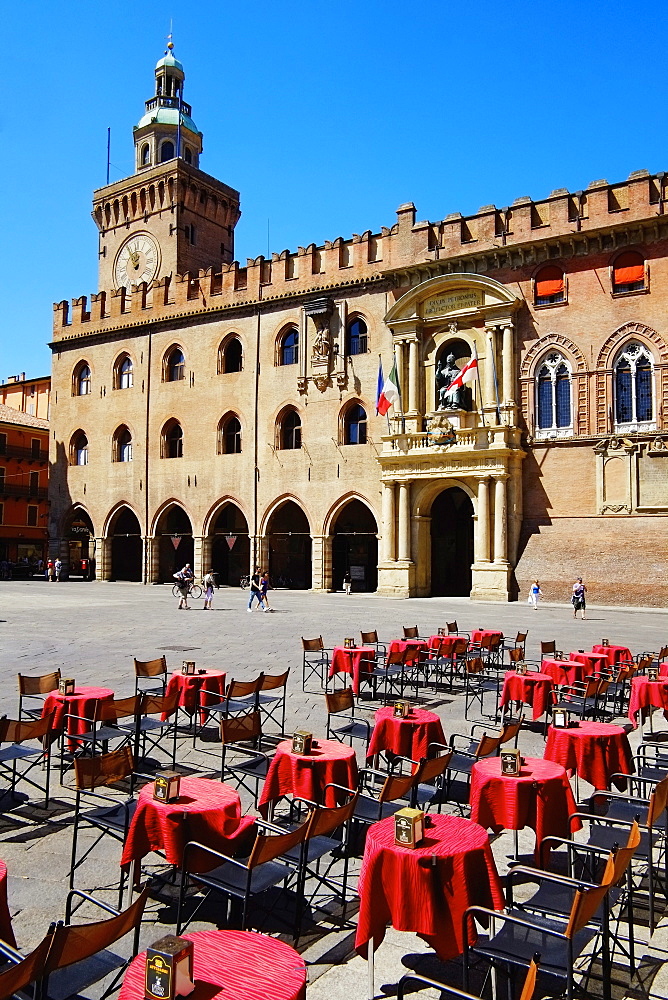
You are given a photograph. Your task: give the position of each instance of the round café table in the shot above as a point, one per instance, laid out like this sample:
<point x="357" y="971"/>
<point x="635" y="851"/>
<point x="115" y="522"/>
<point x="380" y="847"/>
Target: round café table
<point x="6" y="930"/>
<point x="532" y="688"/>
<point x="540" y="797"/>
<point x="77" y="710"/>
<point x="445" y="643"/>
<point x="358" y="662"/>
<point x="426" y="889"/>
<point x="593" y="750"/>
<point x="645" y="695"/>
<point x="480" y="634"/>
<point x="418" y="646"/>
<point x="233" y="965"/>
<point x="591" y="661"/>
<point x="409" y="737"/>
<point x="563" y="672"/>
<point x="198" y="690"/>
<point x="306" y="775"/>
<point x="206" y="810"/>
<point x="614" y="654"/>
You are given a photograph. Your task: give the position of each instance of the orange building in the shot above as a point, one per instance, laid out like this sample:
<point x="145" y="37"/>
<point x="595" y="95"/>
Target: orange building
<point x="24" y="473"/>
<point x="29" y="395"/>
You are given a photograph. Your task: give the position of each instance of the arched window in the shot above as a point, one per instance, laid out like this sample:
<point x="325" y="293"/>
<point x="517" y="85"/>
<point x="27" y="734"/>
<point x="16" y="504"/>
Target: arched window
<point x="290" y="436"/>
<point x="229" y="435"/>
<point x="230" y="357"/>
<point x="145" y="155"/>
<point x="174" y="366"/>
<point x="81" y="380"/>
<point x="124" y="372"/>
<point x="633" y="387"/>
<point x="356" y="337"/>
<point x="79" y="449"/>
<point x="628" y="272"/>
<point x="549" y="286"/>
<point x="553" y="391"/>
<point x="354" y="425"/>
<point x="166" y="151"/>
<point x="288" y="352"/>
<point x="122" y="445"/>
<point x="172" y="440"/>
<point x="188" y="155"/>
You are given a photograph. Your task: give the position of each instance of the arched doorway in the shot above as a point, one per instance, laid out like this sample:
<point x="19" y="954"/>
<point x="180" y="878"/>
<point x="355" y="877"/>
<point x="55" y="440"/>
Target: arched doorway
<point x="355" y="547"/>
<point x="79" y="535"/>
<point x="176" y="547"/>
<point x="230" y="547"/>
<point x="289" y="539"/>
<point x="126" y="546"/>
<point x="451" y="543"/>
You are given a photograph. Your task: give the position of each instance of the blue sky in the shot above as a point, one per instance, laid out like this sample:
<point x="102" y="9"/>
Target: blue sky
<point x="326" y="117"/>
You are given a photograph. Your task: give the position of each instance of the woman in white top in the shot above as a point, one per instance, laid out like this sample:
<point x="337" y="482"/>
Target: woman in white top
<point x="534" y="593"/>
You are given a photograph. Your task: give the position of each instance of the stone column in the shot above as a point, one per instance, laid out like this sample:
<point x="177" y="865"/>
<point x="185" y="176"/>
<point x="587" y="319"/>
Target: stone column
<point x="317" y="567"/>
<point x="153" y="559"/>
<point x="500" y="516"/>
<point x="508" y="380"/>
<point x="198" y="561"/>
<point x="207" y="548"/>
<point x="100" y="550"/>
<point x="389" y="533"/>
<point x="401" y="371"/>
<point x="482" y="554"/>
<point x="490" y="391"/>
<point x="404" y="522"/>
<point x="413" y="376"/>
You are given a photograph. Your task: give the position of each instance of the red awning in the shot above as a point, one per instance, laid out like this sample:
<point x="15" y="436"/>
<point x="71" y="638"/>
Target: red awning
<point x="550" y="281"/>
<point x="629" y="269"/>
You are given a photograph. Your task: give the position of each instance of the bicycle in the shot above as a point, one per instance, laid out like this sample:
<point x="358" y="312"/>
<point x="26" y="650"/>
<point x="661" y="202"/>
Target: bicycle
<point x="244" y="582"/>
<point x="194" y="591"/>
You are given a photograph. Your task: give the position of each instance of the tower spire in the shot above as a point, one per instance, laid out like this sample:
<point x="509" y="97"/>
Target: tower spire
<point x="166" y="131"/>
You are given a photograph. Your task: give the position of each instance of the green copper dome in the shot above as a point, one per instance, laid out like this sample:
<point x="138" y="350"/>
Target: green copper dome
<point x="166" y="116"/>
<point x="170" y="61"/>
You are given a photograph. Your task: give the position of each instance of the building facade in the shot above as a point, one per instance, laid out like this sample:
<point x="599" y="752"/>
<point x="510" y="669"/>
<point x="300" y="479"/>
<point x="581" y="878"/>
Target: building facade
<point x="24" y="470"/>
<point x="29" y="395"/>
<point x="223" y="414"/>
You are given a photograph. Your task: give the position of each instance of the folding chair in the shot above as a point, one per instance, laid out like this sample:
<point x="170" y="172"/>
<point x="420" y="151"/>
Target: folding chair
<point x="273" y="705"/>
<point x="390" y="673"/>
<point x="15" y="734"/>
<point x="371" y="639"/>
<point x="147" y="672"/>
<point x="479" y="682"/>
<point x="519" y="642"/>
<point x="451" y="991"/>
<point x="342" y="704"/>
<point x="453" y="629"/>
<point x="241" y="697"/>
<point x="23" y="971"/>
<point x="431" y="787"/>
<point x="372" y="808"/>
<point x="549" y="650"/>
<point x="411" y="632"/>
<point x="583" y="698"/>
<point x="107" y="727"/>
<point x="250" y="764"/>
<point x="158" y="723"/>
<point x="36" y="689"/>
<point x="315" y="661"/>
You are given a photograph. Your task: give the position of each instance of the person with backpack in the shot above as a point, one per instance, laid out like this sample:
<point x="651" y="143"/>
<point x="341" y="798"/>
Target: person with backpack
<point x="184" y="577"/>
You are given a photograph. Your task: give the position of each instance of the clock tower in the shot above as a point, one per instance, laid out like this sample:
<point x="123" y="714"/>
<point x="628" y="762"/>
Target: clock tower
<point x="169" y="216"/>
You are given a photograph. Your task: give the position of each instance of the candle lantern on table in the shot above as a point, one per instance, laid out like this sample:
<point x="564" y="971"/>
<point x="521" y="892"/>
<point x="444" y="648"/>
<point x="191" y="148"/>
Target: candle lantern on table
<point x="188" y="667"/>
<point x="66" y="685"/>
<point x="401" y="710"/>
<point x="510" y="762"/>
<point x="560" y="718"/>
<point x="442" y="631"/>
<point x="167" y="786"/>
<point x="652" y="673"/>
<point x="169" y="969"/>
<point x="408" y="827"/>
<point x="302" y="742"/>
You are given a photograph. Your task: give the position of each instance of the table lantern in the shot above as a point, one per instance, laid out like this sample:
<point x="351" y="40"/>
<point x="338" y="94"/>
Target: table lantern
<point x="560" y="718"/>
<point x="408" y="827"/>
<point x="401" y="709"/>
<point x="520" y="667"/>
<point x="348" y="643"/>
<point x="510" y="762"/>
<point x="169" y="969"/>
<point x="66" y="685"/>
<point x="167" y="786"/>
<point x="443" y="631"/>
<point x="302" y="742"/>
<point x="652" y="673"/>
<point x="605" y="642"/>
<point x="188" y="667"/>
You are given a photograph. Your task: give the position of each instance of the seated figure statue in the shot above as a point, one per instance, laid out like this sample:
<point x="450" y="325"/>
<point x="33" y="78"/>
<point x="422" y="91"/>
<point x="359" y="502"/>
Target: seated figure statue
<point x="445" y="376"/>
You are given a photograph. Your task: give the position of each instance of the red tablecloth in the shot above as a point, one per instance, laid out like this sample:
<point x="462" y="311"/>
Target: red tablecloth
<point x="189" y="687"/>
<point x="540" y="797"/>
<point x="426" y="889"/>
<point x="645" y="694"/>
<point x="563" y="671"/>
<point x="357" y="662"/>
<point x="399" y="645"/>
<point x="592" y="661"/>
<point x="478" y="634"/>
<point x="207" y="810"/>
<point x="305" y="775"/>
<point x="233" y="965"/>
<point x="615" y="654"/>
<point x="409" y="737"/>
<point x="531" y="689"/>
<point x="6" y="931"/>
<point x="594" y="749"/>
<point x="81" y="703"/>
<point x="444" y="642"/>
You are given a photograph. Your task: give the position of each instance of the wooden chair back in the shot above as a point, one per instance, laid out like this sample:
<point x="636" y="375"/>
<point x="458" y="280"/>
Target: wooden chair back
<point x="511" y="730"/>
<point x="269" y="846"/>
<point x="241" y="728"/>
<point x="516" y="655"/>
<point x="241" y="689"/>
<point x="548" y="648"/>
<point x="124" y="708"/>
<point x="324" y="821"/>
<point x="339" y="701"/>
<point x="270" y="682"/>
<point x="487" y="745"/>
<point x="160" y="704"/>
<point x="30" y="970"/>
<point x="93" y="772"/>
<point x="18" y="731"/>
<point x="642" y="663"/>
<point x="530" y="979"/>
<point x="521" y="638"/>
<point x="396" y="657"/>
<point x="434" y="768"/>
<point x="460" y="647"/>
<point x="624" y="854"/>
<point x="76" y="942"/>
<point x="657" y="802"/>
<point x="494" y="643"/>
<point x="587" y="901"/>
<point x="38" y="685"/>
<point x="150" y="668"/>
<point x="411" y="632"/>
<point x="474" y="665"/>
<point x="396" y="786"/>
<point x="312" y="645"/>
<point x="452" y="628"/>
<point x="369" y="637"/>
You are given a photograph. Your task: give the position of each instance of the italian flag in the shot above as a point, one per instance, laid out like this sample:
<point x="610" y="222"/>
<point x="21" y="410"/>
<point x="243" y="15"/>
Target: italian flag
<point x="388" y="390"/>
<point x="467" y="374"/>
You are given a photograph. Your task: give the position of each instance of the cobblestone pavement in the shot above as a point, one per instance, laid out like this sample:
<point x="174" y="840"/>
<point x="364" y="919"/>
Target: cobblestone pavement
<point x="91" y="631"/>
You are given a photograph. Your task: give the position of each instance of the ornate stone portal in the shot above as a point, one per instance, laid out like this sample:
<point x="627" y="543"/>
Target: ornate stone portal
<point x="428" y="451"/>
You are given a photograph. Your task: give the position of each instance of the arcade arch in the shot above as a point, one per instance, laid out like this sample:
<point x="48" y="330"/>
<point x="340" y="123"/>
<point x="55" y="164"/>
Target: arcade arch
<point x="127" y="549"/>
<point x="451" y="543"/>
<point x="288" y="547"/>
<point x="77" y="540"/>
<point x="174" y="538"/>
<point x="354" y="536"/>
<point x="229" y="545"/>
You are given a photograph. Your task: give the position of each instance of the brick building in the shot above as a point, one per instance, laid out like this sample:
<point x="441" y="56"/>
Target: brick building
<point x="24" y="469"/>
<point x="224" y="413"/>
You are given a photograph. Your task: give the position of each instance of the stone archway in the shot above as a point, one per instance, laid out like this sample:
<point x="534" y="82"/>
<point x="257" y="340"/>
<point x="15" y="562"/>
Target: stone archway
<point x="289" y="543"/>
<point x="451" y="543"/>
<point x="175" y="541"/>
<point x="78" y="543"/>
<point x="229" y="546"/>
<point x="127" y="548"/>
<point x="355" y="547"/>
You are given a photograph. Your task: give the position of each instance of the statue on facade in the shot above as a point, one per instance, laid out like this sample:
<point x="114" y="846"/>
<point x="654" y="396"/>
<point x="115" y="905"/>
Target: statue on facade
<point x="322" y="345"/>
<point x="445" y="376"/>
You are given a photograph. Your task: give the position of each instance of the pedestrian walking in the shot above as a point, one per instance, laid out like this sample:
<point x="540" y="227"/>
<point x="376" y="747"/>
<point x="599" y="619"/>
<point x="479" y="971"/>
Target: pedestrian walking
<point x="184" y="577"/>
<point x="50" y="571"/>
<point x="255" y="591"/>
<point x="347" y="582"/>
<point x="534" y="594"/>
<point x="578" y="598"/>
<point x="58" y="567"/>
<point x="209" y="583"/>
<point x="264" y="587"/>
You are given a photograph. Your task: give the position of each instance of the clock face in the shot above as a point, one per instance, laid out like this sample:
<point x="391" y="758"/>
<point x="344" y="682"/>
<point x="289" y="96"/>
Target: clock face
<point x="137" y="260"/>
